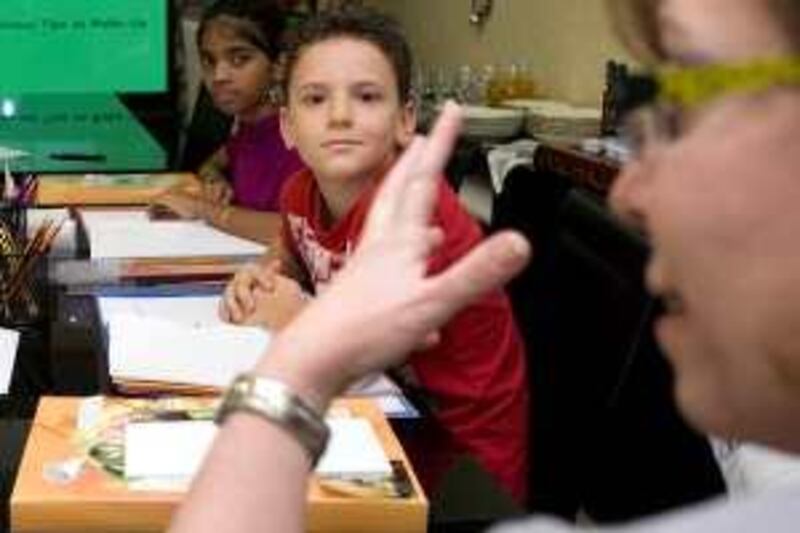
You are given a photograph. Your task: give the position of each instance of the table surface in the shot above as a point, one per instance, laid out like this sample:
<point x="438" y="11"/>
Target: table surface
<point x="96" y="501"/>
<point x="64" y="356"/>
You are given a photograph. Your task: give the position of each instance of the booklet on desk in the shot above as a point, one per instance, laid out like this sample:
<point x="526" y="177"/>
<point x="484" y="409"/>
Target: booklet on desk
<point x="179" y="343"/>
<point x="132" y="234"/>
<point x="167" y="351"/>
<point x="189" y="310"/>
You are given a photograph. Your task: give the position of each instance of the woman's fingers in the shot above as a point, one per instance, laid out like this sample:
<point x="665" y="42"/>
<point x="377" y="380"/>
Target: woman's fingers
<point x="428" y="167"/>
<point x="230" y="310"/>
<point x="384" y="209"/>
<point x="408" y="193"/>
<point x="491" y="264"/>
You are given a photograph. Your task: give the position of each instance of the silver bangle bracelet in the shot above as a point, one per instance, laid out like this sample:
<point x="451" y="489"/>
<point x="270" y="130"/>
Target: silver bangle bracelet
<point x="274" y="401"/>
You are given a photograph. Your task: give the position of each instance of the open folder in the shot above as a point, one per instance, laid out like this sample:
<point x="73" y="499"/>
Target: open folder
<point x="180" y="345"/>
<point x="164" y="351"/>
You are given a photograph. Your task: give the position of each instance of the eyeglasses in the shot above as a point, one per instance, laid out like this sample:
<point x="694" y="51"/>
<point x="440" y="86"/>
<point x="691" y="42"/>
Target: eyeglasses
<point x="668" y="98"/>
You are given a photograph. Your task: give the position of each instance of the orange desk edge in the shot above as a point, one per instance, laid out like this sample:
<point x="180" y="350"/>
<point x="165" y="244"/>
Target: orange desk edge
<point x="96" y="502"/>
<point x="76" y="189"/>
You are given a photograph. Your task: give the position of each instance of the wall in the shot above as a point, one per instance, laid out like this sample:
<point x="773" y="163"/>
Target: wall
<point x="565" y="42"/>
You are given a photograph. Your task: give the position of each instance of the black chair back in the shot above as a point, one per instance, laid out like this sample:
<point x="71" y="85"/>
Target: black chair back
<point x="606" y="435"/>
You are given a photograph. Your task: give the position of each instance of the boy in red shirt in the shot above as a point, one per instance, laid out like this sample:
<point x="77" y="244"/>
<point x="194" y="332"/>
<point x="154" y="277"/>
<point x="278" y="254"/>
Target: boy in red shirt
<point x="349" y="113"/>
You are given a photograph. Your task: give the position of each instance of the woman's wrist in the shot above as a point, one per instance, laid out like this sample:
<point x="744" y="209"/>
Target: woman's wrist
<point x="296" y="362"/>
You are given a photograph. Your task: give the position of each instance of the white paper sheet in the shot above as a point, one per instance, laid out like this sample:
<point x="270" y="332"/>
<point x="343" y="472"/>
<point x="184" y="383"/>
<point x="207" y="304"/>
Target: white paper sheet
<point x="374" y="386"/>
<point x="9" y="342"/>
<point x="195" y="311"/>
<point x="396" y="406"/>
<point x="172" y="450"/>
<point x="354" y="452"/>
<point x="131" y="234"/>
<point x="175" y="450"/>
<point x="143" y="348"/>
<point x="97" y="217"/>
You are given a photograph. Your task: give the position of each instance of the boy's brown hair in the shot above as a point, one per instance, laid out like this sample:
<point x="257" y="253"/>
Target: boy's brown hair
<point x="360" y="23"/>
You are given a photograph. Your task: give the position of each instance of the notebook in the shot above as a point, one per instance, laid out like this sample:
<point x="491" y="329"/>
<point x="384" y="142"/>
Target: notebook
<point x="135" y="367"/>
<point x="159" y="350"/>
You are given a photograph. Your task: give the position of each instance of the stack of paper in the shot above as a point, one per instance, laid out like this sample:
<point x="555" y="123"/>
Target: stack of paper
<point x="180" y="340"/>
<point x="354" y="451"/>
<point x="195" y="311"/>
<point x="152" y="349"/>
<point x="131" y="234"/>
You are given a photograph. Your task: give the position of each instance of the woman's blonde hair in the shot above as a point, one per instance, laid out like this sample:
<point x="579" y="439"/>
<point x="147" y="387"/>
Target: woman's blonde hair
<point x="636" y="24"/>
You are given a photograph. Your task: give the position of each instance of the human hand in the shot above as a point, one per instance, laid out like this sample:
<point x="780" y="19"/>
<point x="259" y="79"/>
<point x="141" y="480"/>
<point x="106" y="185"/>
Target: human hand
<point x="382" y="304"/>
<point x="180" y="203"/>
<point x="217" y="191"/>
<point x="275" y="308"/>
<point x="239" y="298"/>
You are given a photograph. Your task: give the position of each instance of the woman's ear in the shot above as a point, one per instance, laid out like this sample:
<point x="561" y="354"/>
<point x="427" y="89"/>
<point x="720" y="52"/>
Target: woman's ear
<point x="287" y="132"/>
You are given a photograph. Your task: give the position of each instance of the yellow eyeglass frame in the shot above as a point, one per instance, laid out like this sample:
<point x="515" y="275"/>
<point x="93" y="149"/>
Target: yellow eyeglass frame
<point x="694" y="86"/>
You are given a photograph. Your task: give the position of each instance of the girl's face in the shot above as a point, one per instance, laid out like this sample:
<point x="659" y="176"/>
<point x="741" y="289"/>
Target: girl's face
<point x="344" y="112"/>
<point x="236" y="73"/>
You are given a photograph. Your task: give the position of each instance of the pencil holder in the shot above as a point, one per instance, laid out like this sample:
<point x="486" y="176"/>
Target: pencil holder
<point x="23" y="270"/>
<point x="13" y="217"/>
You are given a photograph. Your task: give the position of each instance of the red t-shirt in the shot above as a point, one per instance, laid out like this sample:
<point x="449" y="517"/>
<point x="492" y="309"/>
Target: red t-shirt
<point x="476" y="374"/>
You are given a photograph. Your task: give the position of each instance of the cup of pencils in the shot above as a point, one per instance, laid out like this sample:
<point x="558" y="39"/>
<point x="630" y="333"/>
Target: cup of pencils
<point x="23" y="267"/>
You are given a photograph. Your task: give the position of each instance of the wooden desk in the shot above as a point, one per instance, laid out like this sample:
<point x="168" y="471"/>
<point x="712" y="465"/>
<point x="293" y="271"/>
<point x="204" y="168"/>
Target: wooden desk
<point x="124" y="189"/>
<point x="97" y="502"/>
<point x="68" y="358"/>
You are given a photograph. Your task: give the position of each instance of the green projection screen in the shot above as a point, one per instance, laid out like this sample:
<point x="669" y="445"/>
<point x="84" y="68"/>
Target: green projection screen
<point x="98" y="125"/>
<point x="86" y="46"/>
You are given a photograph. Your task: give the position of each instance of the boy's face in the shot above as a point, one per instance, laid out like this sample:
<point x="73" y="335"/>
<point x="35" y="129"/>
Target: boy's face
<point x="344" y="113"/>
<point x="235" y="72"/>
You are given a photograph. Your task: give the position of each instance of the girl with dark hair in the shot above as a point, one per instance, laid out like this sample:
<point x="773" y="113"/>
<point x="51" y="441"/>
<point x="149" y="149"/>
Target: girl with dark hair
<point x="240" y="43"/>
